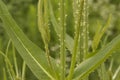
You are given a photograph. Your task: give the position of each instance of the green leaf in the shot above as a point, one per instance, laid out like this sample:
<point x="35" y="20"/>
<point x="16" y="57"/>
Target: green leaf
<point x="9" y="67"/>
<point x="93" y="62"/>
<point x="116" y="74"/>
<point x="76" y="39"/>
<point x="99" y="33"/>
<point x="33" y="56"/>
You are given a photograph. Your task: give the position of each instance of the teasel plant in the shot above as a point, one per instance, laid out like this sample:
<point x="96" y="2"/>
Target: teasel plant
<point x="83" y="61"/>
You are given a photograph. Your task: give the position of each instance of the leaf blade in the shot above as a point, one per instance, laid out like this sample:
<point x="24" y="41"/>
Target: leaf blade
<point x="32" y="54"/>
<point x="99" y="33"/>
<point x="90" y="64"/>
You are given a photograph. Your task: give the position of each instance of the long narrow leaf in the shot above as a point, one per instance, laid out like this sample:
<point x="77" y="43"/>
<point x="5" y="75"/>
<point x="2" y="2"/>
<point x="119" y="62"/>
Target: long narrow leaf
<point x="99" y="33"/>
<point x="116" y="74"/>
<point x="93" y="62"/>
<point x="33" y="56"/>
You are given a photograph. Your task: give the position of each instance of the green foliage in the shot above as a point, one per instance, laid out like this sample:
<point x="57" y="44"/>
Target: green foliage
<point x="99" y="33"/>
<point x="91" y="63"/>
<point x="26" y="46"/>
<point x="83" y="58"/>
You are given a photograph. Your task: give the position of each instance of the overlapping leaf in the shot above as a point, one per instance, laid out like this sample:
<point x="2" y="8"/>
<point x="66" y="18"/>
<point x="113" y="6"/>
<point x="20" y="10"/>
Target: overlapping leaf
<point x="93" y="62"/>
<point x="32" y="54"/>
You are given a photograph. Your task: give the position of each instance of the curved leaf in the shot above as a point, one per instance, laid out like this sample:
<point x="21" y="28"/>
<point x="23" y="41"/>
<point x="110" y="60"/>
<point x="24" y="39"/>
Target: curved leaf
<point x="93" y="62"/>
<point x="33" y="56"/>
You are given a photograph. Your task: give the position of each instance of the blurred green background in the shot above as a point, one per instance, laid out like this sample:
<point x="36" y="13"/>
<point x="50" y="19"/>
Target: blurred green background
<point x="25" y="14"/>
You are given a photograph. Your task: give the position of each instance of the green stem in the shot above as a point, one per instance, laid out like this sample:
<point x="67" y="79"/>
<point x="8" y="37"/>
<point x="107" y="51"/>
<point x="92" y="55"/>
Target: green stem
<point x="9" y="66"/>
<point x="43" y="25"/>
<point x="8" y="45"/>
<point x="62" y="39"/>
<point x="76" y="41"/>
<point x="15" y="61"/>
<point x="4" y="74"/>
<point x="23" y="71"/>
<point x="85" y="30"/>
<point x="8" y="63"/>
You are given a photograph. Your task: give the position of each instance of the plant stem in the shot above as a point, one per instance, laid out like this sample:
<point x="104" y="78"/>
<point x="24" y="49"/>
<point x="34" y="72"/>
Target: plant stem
<point x="84" y="32"/>
<point x="4" y="74"/>
<point x="43" y="26"/>
<point x="62" y="39"/>
<point x="23" y="71"/>
<point x="116" y="74"/>
<point x="15" y="61"/>
<point x="76" y="41"/>
<point x="8" y="66"/>
<point x="8" y="63"/>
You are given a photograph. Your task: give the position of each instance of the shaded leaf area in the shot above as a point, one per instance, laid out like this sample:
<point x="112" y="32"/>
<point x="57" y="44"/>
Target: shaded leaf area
<point x="33" y="55"/>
